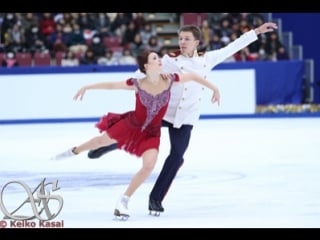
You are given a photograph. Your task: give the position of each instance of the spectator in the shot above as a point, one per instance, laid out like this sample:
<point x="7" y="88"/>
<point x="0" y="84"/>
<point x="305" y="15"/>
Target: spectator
<point x="16" y="38"/>
<point x="67" y="18"/>
<point x="207" y="33"/>
<point x="262" y="55"/>
<point x="146" y="32"/>
<point x="129" y="34"/>
<point x="88" y="58"/>
<point x="137" y="45"/>
<point x="215" y="42"/>
<point x="47" y="24"/>
<point x="245" y="27"/>
<point x="10" y="60"/>
<point x="282" y="53"/>
<point x="77" y="40"/>
<point x="58" y="40"/>
<point x="108" y="59"/>
<point x="272" y="45"/>
<point x="97" y="46"/>
<point x="225" y="27"/>
<point x="35" y="40"/>
<point x="120" y="23"/>
<point x="244" y="55"/>
<point x="102" y="24"/>
<point x="69" y="59"/>
<point x="28" y="20"/>
<point x="8" y="21"/>
<point x="67" y="29"/>
<point x="163" y="51"/>
<point x="139" y="20"/>
<point x="254" y="19"/>
<point x="86" y="22"/>
<point x="215" y="19"/>
<point x="154" y="45"/>
<point x="127" y="58"/>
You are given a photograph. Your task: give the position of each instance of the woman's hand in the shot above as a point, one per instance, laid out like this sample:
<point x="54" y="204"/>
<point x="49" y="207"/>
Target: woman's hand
<point x="80" y="94"/>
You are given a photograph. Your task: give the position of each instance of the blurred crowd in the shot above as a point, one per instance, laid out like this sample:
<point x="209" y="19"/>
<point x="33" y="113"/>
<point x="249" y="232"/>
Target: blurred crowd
<point x="219" y="29"/>
<point x="73" y="39"/>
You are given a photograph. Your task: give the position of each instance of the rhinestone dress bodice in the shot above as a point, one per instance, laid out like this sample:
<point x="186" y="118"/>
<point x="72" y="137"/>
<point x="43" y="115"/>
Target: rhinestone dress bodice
<point x="140" y="129"/>
<point x="152" y="103"/>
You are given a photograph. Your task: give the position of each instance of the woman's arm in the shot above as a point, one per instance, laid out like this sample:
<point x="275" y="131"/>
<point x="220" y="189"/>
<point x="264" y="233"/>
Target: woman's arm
<point x="103" y="85"/>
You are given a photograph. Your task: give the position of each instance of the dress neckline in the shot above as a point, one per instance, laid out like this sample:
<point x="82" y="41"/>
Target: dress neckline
<point x="152" y="95"/>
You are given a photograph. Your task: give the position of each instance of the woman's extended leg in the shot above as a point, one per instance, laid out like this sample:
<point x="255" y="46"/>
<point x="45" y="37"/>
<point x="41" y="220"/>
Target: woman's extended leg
<point x="93" y="143"/>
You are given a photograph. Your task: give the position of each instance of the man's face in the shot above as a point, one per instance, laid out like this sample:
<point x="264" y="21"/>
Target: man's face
<point x="187" y="43"/>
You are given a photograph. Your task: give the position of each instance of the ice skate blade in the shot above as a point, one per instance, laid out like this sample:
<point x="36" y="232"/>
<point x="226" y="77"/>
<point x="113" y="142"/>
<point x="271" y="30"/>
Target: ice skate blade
<point x="120" y="216"/>
<point x="154" y="213"/>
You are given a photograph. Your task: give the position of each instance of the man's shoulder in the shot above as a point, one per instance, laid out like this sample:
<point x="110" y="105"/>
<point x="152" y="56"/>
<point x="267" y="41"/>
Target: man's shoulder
<point x="174" y="53"/>
<point x="177" y="53"/>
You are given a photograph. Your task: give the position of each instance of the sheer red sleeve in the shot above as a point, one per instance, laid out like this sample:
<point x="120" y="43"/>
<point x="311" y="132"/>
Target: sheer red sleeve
<point x="175" y="77"/>
<point x="130" y="82"/>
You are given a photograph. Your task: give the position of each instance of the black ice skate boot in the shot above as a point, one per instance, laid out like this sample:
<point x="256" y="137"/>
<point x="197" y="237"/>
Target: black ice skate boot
<point x="155" y="207"/>
<point x="101" y="151"/>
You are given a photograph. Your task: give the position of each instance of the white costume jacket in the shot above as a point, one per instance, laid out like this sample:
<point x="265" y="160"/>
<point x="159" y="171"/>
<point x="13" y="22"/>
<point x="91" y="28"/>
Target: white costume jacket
<point x="184" y="105"/>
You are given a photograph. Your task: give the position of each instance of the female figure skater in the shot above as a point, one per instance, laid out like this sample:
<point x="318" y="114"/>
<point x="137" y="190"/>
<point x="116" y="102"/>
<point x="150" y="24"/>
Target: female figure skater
<point x="138" y="131"/>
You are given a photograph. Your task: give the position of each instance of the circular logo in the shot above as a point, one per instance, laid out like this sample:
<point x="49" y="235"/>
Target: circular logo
<point x="3" y="224"/>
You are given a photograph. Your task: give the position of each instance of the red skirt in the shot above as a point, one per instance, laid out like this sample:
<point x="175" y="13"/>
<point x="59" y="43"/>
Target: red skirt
<point x="126" y="130"/>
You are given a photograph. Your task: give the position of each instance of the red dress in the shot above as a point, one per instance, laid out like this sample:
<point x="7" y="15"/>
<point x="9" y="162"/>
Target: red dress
<point x="139" y="130"/>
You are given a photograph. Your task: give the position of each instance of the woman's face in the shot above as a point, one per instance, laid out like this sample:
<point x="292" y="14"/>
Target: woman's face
<point x="154" y="62"/>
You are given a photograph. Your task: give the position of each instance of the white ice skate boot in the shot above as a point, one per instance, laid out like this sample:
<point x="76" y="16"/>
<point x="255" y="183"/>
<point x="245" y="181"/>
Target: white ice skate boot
<point x="121" y="211"/>
<point x="67" y="154"/>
